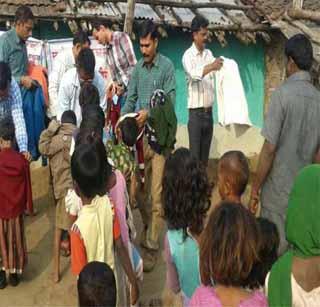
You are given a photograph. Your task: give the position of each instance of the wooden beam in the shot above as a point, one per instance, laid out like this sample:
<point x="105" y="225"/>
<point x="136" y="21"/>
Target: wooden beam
<point x="304" y="14"/>
<point x="314" y="36"/>
<point x="91" y="18"/>
<point x="244" y="28"/>
<point x="297" y="4"/>
<point x="184" y="4"/>
<point x="289" y="30"/>
<point x="128" y="23"/>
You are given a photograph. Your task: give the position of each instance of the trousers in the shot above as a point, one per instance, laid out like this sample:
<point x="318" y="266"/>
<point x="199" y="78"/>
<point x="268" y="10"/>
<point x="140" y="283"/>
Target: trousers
<point x="149" y="197"/>
<point x="200" y="129"/>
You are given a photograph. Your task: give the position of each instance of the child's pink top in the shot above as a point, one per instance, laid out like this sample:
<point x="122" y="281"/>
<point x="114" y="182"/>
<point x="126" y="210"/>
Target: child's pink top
<point x="207" y="296"/>
<point x="118" y="196"/>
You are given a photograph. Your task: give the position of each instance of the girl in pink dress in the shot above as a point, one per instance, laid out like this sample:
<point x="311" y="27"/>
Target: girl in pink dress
<point x="228" y="252"/>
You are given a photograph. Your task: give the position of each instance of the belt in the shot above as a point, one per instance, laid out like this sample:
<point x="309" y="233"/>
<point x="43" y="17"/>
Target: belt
<point x="205" y="110"/>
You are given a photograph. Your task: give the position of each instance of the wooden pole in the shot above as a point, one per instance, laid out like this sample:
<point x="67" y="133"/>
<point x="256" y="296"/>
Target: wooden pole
<point x="240" y="27"/>
<point x="185" y="4"/>
<point x="128" y="23"/>
<point x="313" y="35"/>
<point x="297" y="4"/>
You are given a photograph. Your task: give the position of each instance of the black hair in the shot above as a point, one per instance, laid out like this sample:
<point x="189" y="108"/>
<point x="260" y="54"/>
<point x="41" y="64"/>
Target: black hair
<point x="81" y="37"/>
<point x="198" y="23"/>
<point x="299" y="49"/>
<point x="88" y="136"/>
<point x="97" y="285"/>
<point x="268" y="252"/>
<point x="23" y="14"/>
<point x="129" y="130"/>
<point x="148" y="27"/>
<point x="93" y="118"/>
<point x="7" y="129"/>
<point x="89" y="94"/>
<point x="69" y="117"/>
<point x="5" y="75"/>
<point x="186" y="192"/>
<point x="106" y="23"/>
<point x="86" y="61"/>
<point x="90" y="168"/>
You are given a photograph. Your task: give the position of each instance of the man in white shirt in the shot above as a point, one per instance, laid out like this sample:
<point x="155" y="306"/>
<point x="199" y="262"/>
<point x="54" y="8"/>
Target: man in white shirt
<point x="72" y="80"/>
<point x="200" y="65"/>
<point x="64" y="61"/>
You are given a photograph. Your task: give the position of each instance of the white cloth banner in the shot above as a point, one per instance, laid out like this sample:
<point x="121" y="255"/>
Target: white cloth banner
<point x="53" y="47"/>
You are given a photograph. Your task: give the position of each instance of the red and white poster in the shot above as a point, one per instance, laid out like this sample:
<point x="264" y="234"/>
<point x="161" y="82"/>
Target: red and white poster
<point x="36" y="51"/>
<point x="53" y="47"/>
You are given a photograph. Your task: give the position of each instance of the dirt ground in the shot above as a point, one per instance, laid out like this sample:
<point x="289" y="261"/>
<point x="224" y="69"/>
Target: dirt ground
<point x="37" y="287"/>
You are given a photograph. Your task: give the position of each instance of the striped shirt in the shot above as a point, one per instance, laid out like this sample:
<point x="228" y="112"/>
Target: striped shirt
<point x="12" y="106"/>
<point x="120" y="57"/>
<point x="200" y="89"/>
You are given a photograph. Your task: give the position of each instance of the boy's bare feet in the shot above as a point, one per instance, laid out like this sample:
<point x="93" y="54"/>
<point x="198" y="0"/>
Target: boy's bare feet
<point x="34" y="213"/>
<point x="56" y="277"/>
<point x="65" y="248"/>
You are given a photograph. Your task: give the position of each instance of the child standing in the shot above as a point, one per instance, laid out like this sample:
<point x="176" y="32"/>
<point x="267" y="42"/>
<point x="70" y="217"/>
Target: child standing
<point x="96" y="232"/>
<point x="55" y="143"/>
<point x="233" y="176"/>
<point x="186" y="200"/>
<point x="122" y="155"/>
<point x="229" y="249"/>
<point x="15" y="197"/>
<point x="127" y="132"/>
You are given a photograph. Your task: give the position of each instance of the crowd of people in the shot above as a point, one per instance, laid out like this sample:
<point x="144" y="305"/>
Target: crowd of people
<point x="111" y="149"/>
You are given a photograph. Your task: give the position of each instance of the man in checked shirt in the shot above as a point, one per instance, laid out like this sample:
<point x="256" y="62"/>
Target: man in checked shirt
<point x="11" y="106"/>
<point x="120" y="56"/>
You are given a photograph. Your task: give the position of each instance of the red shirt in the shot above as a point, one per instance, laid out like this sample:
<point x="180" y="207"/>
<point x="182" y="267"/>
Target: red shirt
<point x="15" y="184"/>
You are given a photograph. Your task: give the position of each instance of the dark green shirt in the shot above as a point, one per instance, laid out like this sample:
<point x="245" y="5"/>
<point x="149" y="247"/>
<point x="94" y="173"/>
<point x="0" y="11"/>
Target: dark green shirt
<point x="145" y="79"/>
<point x="13" y="51"/>
<point x="163" y="120"/>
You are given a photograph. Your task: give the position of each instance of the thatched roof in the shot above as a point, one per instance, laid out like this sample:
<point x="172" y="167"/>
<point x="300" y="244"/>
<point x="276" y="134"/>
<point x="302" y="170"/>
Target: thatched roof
<point x="224" y="15"/>
<point x="290" y="20"/>
<point x="244" y="18"/>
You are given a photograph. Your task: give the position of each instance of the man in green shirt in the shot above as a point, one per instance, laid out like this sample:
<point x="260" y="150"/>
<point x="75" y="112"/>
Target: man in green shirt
<point x="153" y="72"/>
<point x="13" y="48"/>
